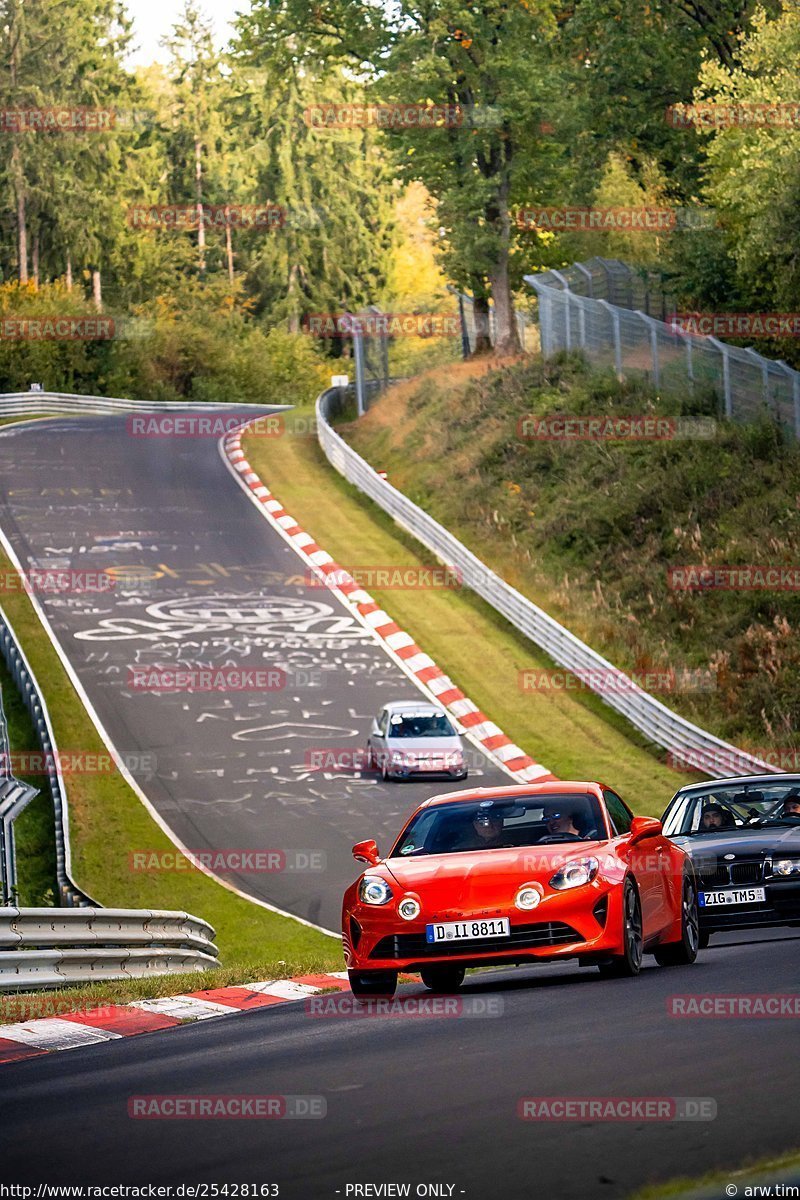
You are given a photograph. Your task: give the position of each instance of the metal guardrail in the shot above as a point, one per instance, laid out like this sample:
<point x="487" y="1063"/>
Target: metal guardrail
<point x="22" y="404"/>
<point x="14" y="799"/>
<point x="51" y="947"/>
<point x="658" y="723"/>
<point x="15" y="796"/>
<point x="22" y="674"/>
<point x="607" y="310"/>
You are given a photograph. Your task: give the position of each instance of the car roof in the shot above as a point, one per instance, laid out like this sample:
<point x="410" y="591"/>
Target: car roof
<point x="556" y="786"/>
<point x="738" y="780"/>
<point x="414" y="706"/>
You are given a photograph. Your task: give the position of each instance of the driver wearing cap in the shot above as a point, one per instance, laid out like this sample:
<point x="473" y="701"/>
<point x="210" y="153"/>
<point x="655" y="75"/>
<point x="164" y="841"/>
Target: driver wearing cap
<point x="485" y="831"/>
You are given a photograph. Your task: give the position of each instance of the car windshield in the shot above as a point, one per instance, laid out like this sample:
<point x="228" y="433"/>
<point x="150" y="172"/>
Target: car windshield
<point x="734" y="808"/>
<point x="502" y="822"/>
<point x="419" y="725"/>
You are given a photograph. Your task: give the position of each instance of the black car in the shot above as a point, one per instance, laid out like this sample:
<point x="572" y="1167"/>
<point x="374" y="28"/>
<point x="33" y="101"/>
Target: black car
<point x="743" y="835"/>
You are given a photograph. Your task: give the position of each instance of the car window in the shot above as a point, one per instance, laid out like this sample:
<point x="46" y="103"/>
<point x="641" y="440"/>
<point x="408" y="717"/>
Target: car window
<point x="502" y="822"/>
<point x="383" y="720"/>
<point x="621" y="817"/>
<point x="420" y="725"/>
<point x="734" y="808"/>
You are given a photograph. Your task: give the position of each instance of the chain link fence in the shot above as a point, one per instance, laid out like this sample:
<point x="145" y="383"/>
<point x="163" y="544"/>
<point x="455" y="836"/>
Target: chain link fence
<point x="618" y="316"/>
<point x="473" y="324"/>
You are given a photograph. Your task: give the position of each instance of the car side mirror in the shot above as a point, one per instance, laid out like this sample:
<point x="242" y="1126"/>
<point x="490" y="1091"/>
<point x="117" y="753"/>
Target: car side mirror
<point x="643" y="828"/>
<point x="366" y="852"/>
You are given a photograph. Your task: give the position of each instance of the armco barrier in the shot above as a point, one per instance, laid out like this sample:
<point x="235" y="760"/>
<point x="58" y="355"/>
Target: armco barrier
<point x="50" y="947"/>
<point x="69" y="892"/>
<point x="25" y="404"/>
<point x="15" y="796"/>
<point x="652" y="718"/>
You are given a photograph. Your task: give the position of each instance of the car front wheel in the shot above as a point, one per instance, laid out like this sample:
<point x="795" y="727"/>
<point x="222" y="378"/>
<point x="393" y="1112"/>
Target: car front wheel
<point x="442" y="979"/>
<point x="373" y="983"/>
<point x="684" y="952"/>
<point x="629" y="963"/>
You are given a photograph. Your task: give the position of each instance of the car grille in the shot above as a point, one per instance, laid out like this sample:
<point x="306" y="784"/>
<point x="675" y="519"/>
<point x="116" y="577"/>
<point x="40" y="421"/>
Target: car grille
<point x="721" y="874"/>
<point x="523" y="937"/>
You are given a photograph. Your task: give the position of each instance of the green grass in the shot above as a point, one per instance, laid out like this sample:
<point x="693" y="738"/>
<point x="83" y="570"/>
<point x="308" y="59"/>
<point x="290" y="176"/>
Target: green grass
<point x="588" y="530"/>
<point x="763" y="1171"/>
<point x="107" y="821"/>
<point x="576" y="736"/>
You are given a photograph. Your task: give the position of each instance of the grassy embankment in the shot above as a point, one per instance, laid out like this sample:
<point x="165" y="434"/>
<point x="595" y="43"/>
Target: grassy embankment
<point x="590" y="530"/>
<point x="576" y="736"/>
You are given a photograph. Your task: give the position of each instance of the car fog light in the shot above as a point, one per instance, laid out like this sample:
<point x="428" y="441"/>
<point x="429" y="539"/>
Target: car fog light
<point x="527" y="898"/>
<point x="408" y="908"/>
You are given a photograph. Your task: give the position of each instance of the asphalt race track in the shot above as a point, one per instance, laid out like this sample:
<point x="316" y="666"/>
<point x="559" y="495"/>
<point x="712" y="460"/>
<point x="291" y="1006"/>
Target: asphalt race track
<point x="202" y="578"/>
<point x="422" y="1100"/>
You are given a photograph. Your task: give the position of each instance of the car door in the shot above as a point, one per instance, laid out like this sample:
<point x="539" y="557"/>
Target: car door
<point x="649" y="862"/>
<point x="377" y="739"/>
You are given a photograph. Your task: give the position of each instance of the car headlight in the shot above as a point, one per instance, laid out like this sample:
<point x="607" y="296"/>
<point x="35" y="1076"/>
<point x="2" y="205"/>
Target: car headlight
<point x="409" y="908"/>
<point x="374" y="890"/>
<point x="786" y="866"/>
<point x="528" y="897"/>
<point x="575" y="874"/>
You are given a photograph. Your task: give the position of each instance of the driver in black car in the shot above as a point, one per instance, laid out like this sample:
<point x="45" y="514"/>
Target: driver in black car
<point x="712" y="818"/>
<point x="791" y="805"/>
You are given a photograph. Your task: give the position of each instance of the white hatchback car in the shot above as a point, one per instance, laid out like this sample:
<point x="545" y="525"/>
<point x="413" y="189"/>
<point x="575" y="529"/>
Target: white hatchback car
<point x="409" y="738"/>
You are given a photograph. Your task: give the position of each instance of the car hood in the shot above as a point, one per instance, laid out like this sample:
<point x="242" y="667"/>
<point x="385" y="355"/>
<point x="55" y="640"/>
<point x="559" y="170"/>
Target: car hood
<point x="784" y="839"/>
<point x="481" y="876"/>
<point x="419" y="745"/>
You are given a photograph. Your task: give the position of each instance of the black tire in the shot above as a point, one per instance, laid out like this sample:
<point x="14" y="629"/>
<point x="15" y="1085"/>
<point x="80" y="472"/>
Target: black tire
<point x="629" y="963"/>
<point x="365" y="984"/>
<point x="442" y="979"/>
<point x="704" y="939"/>
<point x="684" y="952"/>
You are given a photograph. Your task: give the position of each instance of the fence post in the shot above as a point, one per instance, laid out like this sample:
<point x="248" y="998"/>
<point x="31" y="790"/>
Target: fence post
<point x="726" y="375"/>
<point x="358" y="357"/>
<point x="764" y="365"/>
<point x="617" y="336"/>
<point x="588" y="274"/>
<point x="690" y="360"/>
<point x="796" y="396"/>
<point x="582" y="324"/>
<point x="466" y="349"/>
<point x="651" y="324"/>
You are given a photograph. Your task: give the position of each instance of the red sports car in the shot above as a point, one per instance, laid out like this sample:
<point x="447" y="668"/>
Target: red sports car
<point x="516" y="875"/>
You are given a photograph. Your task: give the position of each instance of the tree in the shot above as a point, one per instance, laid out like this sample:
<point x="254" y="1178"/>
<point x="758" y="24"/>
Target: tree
<point x="333" y="188"/>
<point x="753" y="173"/>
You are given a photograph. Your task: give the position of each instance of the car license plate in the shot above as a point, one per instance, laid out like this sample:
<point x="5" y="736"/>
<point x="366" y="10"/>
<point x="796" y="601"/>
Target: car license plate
<point x="468" y="931"/>
<point x="755" y="895"/>
<point x="428" y="765"/>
